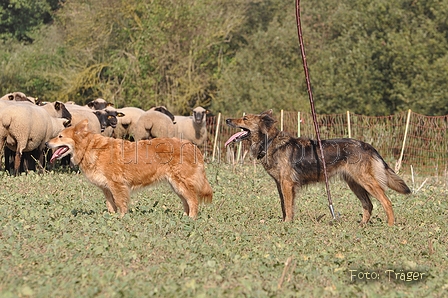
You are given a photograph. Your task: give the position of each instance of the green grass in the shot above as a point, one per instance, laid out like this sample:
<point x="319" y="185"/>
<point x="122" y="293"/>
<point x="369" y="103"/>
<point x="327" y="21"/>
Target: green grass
<point x="57" y="239"/>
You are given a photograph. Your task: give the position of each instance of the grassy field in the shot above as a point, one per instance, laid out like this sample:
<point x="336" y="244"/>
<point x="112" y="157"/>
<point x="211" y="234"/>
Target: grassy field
<point x="57" y="240"/>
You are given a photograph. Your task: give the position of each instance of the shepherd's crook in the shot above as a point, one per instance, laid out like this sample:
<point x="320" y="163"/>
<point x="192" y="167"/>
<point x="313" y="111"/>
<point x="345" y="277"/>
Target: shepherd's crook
<point x="313" y="112"/>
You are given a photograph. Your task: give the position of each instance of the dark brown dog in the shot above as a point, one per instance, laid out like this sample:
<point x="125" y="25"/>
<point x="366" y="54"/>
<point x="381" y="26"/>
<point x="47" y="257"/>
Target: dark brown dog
<point x="119" y="166"/>
<point x="294" y="162"/>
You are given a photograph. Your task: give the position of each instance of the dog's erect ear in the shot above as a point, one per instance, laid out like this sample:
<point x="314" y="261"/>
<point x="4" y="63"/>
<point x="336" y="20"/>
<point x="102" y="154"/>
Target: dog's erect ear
<point x="82" y="127"/>
<point x="267" y="119"/>
<point x="268" y="112"/>
<point x="266" y="124"/>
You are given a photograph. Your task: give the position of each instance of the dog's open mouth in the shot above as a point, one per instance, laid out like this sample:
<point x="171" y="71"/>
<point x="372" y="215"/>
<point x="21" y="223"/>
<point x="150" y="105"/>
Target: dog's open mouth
<point x="59" y="153"/>
<point x="238" y="137"/>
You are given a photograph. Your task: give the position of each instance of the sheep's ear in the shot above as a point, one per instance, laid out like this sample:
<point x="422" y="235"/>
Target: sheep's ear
<point x="120" y="114"/>
<point x="82" y="127"/>
<point x="65" y="122"/>
<point x="109" y="104"/>
<point x="90" y="104"/>
<point x="58" y="105"/>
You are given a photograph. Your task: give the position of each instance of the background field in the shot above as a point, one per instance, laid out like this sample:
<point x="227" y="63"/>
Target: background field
<point x="56" y="239"/>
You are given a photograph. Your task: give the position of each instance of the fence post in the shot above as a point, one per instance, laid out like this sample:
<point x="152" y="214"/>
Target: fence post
<point x="298" y="124"/>
<point x="398" y="164"/>
<point x="348" y="125"/>
<point x="216" y="137"/>
<point x="281" y="120"/>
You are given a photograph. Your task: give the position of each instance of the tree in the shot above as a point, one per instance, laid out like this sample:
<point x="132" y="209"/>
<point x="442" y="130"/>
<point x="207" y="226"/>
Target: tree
<point x="20" y="18"/>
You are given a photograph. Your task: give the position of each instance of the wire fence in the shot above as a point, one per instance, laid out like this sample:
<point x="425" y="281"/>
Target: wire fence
<point x="407" y="141"/>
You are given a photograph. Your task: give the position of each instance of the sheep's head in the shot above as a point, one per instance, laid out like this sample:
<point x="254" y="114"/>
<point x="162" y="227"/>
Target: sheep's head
<point x="62" y="110"/>
<point x="64" y="144"/>
<point x="199" y="115"/>
<point x="99" y="104"/>
<point x="108" y="118"/>
<point x="18" y="96"/>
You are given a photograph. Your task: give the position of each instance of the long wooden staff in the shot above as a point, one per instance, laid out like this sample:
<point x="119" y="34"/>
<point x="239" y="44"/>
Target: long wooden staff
<point x="313" y="112"/>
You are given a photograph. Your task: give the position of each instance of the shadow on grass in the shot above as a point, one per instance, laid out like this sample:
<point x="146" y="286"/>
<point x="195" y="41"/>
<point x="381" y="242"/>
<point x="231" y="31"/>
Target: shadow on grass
<point x="134" y="210"/>
<point x="76" y="212"/>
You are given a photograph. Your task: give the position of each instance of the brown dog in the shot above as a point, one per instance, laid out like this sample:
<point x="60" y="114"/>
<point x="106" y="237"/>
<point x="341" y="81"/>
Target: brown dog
<point x="294" y="162"/>
<point x="119" y="166"/>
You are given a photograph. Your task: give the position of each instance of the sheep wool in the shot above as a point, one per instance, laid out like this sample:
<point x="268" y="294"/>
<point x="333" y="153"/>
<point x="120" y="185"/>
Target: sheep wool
<point x="152" y="124"/>
<point x="126" y="125"/>
<point x="25" y="127"/>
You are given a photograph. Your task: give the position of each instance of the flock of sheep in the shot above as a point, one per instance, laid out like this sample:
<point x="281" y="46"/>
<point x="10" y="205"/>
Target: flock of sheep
<point x="27" y="124"/>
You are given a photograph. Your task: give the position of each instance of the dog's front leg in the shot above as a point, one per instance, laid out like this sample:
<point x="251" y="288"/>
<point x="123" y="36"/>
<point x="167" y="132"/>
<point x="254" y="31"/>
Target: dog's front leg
<point x="121" y="195"/>
<point x="111" y="207"/>
<point x="286" y="193"/>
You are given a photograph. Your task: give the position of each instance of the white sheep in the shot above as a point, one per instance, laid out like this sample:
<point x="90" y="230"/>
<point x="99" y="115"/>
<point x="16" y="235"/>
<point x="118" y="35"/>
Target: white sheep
<point x="25" y="127"/>
<point x="18" y="96"/>
<point x="192" y="128"/>
<point x="125" y="128"/>
<point x="163" y="110"/>
<point x="152" y="124"/>
<point x="80" y="113"/>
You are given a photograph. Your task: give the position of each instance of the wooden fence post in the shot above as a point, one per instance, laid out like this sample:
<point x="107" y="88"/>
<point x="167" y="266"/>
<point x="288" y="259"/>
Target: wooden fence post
<point x="215" y="143"/>
<point x="281" y="120"/>
<point x="349" y="125"/>
<point x="398" y="164"/>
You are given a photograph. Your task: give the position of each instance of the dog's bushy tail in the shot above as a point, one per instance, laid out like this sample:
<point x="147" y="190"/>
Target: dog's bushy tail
<point x="395" y="182"/>
<point x="203" y="189"/>
<point x="388" y="178"/>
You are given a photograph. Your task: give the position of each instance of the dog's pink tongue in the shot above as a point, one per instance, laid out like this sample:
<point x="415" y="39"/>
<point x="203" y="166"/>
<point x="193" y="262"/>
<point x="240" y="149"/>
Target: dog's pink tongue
<point x="58" y="153"/>
<point x="232" y="138"/>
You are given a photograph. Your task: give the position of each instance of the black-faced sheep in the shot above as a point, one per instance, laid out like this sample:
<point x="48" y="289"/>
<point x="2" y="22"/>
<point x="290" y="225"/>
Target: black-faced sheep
<point x="108" y="118"/>
<point x="152" y="125"/>
<point x="25" y="127"/>
<point x="192" y="128"/>
<point x="99" y="104"/>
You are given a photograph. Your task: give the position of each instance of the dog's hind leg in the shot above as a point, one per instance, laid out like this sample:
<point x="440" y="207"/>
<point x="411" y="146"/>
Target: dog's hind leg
<point x="111" y="207"/>
<point x="187" y="194"/>
<point x="287" y="194"/>
<point x="364" y="197"/>
<point x="374" y="188"/>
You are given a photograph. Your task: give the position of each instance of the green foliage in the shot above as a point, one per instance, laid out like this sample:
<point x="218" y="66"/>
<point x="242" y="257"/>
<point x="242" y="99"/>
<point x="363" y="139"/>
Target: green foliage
<point x="19" y="18"/>
<point x="159" y="53"/>
<point x="384" y="57"/>
<point x="57" y="239"/>
<point x="265" y="73"/>
<point x="373" y="58"/>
